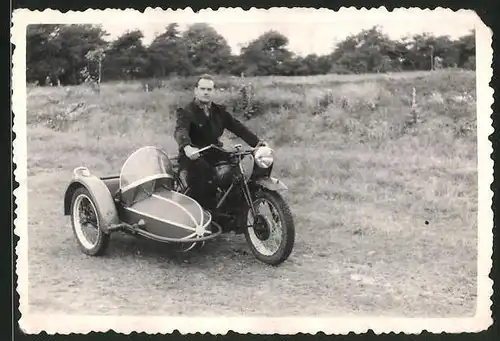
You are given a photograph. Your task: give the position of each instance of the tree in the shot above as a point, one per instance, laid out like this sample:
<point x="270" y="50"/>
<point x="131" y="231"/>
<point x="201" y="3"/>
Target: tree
<point x="422" y="50"/>
<point x="168" y="54"/>
<point x="466" y="46"/>
<point x="368" y="51"/>
<point x="126" y="58"/>
<point x="315" y="65"/>
<point x="70" y="54"/>
<point x="267" y="54"/>
<point x="73" y="43"/>
<point x="236" y="65"/>
<point x="42" y="59"/>
<point x="207" y="50"/>
<point x="58" y="52"/>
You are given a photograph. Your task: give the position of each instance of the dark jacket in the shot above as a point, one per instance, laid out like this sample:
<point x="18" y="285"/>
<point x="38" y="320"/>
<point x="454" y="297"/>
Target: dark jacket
<point x="194" y="128"/>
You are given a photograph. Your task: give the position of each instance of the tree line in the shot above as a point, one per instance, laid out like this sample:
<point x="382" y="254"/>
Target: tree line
<point x="72" y="54"/>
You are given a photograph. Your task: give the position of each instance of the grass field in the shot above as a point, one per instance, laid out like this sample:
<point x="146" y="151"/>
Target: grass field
<point x="385" y="207"/>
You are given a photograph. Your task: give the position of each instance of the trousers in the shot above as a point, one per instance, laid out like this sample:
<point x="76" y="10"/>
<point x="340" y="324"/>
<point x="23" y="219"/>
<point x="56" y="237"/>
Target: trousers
<point x="201" y="178"/>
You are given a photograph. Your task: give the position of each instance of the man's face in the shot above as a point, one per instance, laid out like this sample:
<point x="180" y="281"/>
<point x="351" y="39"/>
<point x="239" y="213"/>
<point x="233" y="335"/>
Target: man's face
<point x="203" y="92"/>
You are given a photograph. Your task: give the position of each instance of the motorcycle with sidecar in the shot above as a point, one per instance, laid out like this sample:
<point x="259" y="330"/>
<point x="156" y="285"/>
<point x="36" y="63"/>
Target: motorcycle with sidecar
<point x="150" y="199"/>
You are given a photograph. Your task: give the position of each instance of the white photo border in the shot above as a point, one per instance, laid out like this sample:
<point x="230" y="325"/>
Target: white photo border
<point x="64" y="324"/>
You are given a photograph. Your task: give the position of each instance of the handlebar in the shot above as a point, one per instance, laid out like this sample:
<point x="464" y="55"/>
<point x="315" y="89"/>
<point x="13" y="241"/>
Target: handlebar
<point x="237" y="152"/>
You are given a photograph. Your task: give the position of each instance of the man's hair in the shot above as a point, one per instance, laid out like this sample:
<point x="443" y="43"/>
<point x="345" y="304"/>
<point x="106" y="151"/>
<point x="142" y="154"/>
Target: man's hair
<point x="204" y="76"/>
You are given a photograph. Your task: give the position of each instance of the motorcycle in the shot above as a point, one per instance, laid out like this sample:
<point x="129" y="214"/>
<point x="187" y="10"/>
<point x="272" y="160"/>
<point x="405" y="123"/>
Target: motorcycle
<point x="150" y="198"/>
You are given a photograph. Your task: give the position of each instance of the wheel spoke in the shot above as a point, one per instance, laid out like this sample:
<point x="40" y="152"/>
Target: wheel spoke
<point x="272" y="224"/>
<point x="86" y="215"/>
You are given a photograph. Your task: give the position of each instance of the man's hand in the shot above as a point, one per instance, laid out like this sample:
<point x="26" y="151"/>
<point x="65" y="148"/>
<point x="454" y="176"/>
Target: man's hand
<point x="191" y="152"/>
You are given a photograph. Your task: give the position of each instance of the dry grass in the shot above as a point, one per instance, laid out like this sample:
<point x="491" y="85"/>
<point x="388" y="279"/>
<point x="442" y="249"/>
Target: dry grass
<point x="385" y="210"/>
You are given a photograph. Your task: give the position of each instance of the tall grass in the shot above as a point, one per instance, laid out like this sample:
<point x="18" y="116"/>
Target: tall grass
<point x="340" y="112"/>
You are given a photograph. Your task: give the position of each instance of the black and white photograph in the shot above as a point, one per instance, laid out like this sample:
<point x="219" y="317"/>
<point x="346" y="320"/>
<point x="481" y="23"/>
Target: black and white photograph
<point x="259" y="171"/>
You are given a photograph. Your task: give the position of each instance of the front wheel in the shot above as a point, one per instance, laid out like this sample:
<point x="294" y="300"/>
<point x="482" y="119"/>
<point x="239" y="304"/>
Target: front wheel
<point x="271" y="234"/>
<point x="86" y="224"/>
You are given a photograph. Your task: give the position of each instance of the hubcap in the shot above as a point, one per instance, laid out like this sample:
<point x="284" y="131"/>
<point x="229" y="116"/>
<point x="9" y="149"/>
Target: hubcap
<point x="262" y="228"/>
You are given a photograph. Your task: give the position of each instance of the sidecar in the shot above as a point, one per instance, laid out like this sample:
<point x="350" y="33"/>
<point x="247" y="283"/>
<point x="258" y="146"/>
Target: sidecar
<point x="142" y="201"/>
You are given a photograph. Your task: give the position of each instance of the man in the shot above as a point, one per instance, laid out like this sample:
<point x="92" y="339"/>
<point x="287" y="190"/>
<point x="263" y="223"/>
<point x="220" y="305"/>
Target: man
<point x="201" y="123"/>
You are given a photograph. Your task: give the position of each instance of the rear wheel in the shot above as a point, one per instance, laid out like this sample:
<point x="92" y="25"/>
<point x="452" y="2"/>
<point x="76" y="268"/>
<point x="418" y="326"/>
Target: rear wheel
<point x="86" y="224"/>
<point x="271" y="234"/>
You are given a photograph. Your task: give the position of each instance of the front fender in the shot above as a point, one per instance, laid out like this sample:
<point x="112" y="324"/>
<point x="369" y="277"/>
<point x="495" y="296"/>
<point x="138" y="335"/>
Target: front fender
<point x="272" y="184"/>
<point x="100" y="195"/>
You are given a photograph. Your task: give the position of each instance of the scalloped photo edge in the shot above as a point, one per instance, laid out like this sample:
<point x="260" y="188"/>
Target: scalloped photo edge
<point x="63" y="323"/>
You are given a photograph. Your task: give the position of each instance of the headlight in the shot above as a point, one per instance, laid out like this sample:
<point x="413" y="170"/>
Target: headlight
<point x="264" y="157"/>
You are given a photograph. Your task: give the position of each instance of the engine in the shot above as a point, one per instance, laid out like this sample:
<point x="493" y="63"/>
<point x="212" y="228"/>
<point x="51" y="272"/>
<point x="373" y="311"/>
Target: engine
<point x="224" y="174"/>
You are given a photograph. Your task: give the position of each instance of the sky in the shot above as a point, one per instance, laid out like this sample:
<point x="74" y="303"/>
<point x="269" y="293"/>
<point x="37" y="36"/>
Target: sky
<point x="308" y="30"/>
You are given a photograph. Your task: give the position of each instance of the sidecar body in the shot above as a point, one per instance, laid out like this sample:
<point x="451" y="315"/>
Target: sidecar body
<point x="142" y="200"/>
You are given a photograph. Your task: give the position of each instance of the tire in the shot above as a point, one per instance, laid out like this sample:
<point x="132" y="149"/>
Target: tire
<point x="98" y="247"/>
<point x="287" y="234"/>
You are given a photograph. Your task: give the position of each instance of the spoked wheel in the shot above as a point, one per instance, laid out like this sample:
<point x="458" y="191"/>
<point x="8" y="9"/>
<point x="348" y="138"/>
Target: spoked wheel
<point x="87" y="224"/>
<point x="271" y="234"/>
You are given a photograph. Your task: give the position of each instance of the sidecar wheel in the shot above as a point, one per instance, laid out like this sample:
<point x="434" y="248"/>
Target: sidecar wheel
<point x="91" y="239"/>
<point x="269" y="243"/>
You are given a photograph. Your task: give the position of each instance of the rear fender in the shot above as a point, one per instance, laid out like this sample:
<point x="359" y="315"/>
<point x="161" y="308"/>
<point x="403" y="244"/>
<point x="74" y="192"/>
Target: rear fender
<point x="100" y="195"/>
<point x="272" y="184"/>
